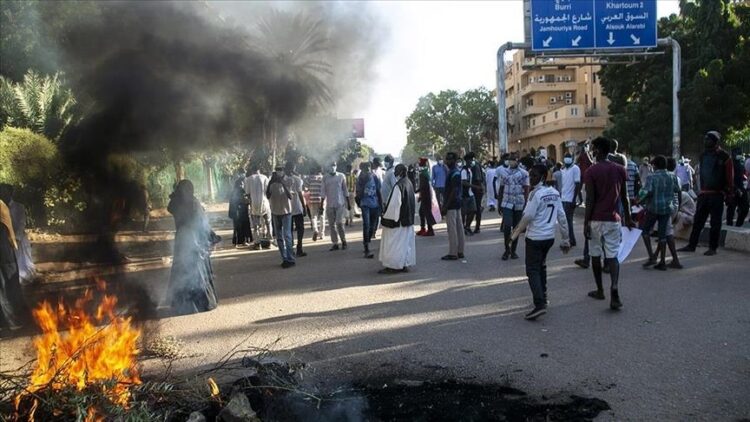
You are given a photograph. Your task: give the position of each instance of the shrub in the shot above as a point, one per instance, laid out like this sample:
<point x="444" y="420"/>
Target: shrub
<point x="29" y="162"/>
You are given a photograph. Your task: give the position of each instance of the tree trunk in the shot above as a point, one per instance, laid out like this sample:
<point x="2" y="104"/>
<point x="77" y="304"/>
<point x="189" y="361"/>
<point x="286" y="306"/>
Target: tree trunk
<point x="208" y="169"/>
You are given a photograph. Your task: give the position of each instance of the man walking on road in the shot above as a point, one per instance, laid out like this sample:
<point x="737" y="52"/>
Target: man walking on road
<point x="256" y="185"/>
<point x="569" y="191"/>
<point x="542" y="213"/>
<point x="398" y="248"/>
<point x="298" y="204"/>
<point x="478" y="183"/>
<point x="658" y="195"/>
<point x="336" y="197"/>
<point x="280" y="198"/>
<point x="605" y="193"/>
<point x="315" y="188"/>
<point x="716" y="180"/>
<point x="513" y="191"/>
<point x="451" y="209"/>
<point x="370" y="202"/>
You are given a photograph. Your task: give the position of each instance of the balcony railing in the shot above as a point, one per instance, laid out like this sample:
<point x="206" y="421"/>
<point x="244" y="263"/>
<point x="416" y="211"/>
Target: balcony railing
<point x="566" y="123"/>
<point x="549" y="87"/>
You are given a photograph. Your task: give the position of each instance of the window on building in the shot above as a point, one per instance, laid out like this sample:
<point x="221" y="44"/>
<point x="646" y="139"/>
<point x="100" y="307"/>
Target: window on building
<point x="593" y="76"/>
<point x="586" y="76"/>
<point x="533" y="122"/>
<point x="593" y="103"/>
<point x="587" y="99"/>
<point x="549" y="78"/>
<point x="555" y="115"/>
<point x="574" y="111"/>
<point x="544" y="119"/>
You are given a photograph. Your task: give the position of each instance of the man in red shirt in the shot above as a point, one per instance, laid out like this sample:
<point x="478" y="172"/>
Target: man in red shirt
<point x="604" y="182"/>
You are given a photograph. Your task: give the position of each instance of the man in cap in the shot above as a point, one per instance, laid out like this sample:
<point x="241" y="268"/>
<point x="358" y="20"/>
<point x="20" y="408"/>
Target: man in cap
<point x="716" y="180"/>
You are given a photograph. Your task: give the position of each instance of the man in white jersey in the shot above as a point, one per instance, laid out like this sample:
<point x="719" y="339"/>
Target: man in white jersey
<point x="542" y="213"/>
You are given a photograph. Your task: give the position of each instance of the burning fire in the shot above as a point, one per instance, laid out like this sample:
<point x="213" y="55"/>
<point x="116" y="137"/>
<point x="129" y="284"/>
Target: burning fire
<point x="97" y="351"/>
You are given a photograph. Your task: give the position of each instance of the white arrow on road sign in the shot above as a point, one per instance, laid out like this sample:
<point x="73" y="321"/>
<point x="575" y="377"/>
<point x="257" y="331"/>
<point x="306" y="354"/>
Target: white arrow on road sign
<point x="575" y="41"/>
<point x="545" y="43"/>
<point x="611" y="39"/>
<point x="635" y="39"/>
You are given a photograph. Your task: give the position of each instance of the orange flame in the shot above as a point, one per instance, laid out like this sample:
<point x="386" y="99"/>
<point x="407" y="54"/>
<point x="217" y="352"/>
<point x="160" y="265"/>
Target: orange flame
<point x="99" y="350"/>
<point x="214" y="389"/>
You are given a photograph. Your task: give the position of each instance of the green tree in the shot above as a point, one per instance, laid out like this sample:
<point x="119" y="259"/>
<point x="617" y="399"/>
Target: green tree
<point x="450" y="120"/>
<point x="715" y="92"/>
<point x="40" y="103"/>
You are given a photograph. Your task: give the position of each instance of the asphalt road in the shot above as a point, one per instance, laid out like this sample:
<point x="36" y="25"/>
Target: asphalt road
<point x="678" y="350"/>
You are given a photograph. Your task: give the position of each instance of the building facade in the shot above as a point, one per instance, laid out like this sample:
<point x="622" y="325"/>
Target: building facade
<point x="555" y="104"/>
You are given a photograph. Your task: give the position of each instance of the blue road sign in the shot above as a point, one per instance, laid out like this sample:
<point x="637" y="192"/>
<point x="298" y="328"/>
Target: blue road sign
<point x="564" y="25"/>
<point x="625" y="23"/>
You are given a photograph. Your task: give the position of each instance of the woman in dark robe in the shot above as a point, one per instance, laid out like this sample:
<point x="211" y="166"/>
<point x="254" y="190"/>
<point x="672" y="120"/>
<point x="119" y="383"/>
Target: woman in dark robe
<point x="13" y="311"/>
<point x="425" y="200"/>
<point x="191" y="287"/>
<point x="238" y="212"/>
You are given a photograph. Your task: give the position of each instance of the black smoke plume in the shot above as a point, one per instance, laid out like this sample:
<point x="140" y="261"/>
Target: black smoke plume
<point x="181" y="78"/>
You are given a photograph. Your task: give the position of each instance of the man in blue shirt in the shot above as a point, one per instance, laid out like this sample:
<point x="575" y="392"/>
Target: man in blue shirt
<point x="369" y="200"/>
<point x="439" y="175"/>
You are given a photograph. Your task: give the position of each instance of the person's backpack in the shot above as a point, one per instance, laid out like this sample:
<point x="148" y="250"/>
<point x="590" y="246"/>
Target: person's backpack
<point x="370" y="188"/>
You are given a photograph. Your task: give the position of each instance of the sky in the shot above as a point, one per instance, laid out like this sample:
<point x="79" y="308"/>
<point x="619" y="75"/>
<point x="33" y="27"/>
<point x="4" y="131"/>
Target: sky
<point x="434" y="46"/>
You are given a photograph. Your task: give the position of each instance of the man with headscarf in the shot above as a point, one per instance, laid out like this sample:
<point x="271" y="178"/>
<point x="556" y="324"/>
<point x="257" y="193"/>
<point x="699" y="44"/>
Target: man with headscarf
<point x="398" y="246"/>
<point x="389" y="178"/>
<point x="716" y="180"/>
<point x="336" y="198"/>
<point x="13" y="311"/>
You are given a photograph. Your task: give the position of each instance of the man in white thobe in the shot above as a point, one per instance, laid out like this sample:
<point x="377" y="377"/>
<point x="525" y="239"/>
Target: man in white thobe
<point x="398" y="247"/>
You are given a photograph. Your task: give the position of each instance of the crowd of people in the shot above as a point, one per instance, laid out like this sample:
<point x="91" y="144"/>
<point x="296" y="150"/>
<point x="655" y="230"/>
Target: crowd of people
<point x="532" y="195"/>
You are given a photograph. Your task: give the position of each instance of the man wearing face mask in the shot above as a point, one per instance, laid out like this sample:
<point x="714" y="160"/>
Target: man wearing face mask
<point x="389" y="178"/>
<point x="716" y="180"/>
<point x="500" y="172"/>
<point x="513" y="191"/>
<point x="439" y="176"/>
<point x="569" y="191"/>
<point x="398" y="247"/>
<point x="336" y="197"/>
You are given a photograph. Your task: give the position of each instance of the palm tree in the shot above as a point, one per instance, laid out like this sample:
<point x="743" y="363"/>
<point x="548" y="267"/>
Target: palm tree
<point x="39" y="103"/>
<point x="298" y="45"/>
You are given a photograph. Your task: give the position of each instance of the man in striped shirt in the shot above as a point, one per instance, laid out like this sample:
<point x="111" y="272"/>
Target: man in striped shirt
<point x="314" y="185"/>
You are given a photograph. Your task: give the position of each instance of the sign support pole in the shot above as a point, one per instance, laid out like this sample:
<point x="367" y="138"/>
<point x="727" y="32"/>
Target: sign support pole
<point x="502" y="121"/>
<point x="676" y="74"/>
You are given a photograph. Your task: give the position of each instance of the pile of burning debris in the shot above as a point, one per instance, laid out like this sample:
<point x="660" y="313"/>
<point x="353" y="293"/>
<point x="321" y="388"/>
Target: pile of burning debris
<point x="87" y="369"/>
